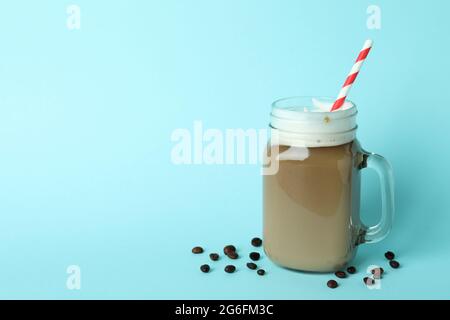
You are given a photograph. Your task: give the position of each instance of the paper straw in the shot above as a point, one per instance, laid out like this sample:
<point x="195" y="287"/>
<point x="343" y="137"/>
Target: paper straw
<point x="352" y="76"/>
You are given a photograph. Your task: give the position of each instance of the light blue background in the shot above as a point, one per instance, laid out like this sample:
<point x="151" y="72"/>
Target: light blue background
<point x="86" y="118"/>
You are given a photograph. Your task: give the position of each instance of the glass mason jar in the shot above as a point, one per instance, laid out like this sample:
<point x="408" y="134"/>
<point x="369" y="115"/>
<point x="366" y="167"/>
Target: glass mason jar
<point x="312" y="182"/>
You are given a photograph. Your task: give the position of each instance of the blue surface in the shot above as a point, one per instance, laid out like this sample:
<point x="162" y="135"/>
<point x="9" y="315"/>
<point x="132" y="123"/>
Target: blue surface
<point x="86" y="118"/>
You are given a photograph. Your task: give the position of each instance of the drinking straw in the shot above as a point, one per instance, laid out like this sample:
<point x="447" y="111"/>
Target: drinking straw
<point x="352" y="76"/>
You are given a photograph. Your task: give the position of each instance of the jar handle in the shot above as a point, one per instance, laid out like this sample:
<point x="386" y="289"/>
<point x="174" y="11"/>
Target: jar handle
<point x="382" y="167"/>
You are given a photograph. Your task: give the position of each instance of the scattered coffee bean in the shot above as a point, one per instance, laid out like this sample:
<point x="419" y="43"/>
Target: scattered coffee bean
<point x="332" y="284"/>
<point x="341" y="274"/>
<point x="369" y="281"/>
<point x="394" y="264"/>
<point x="256" y="242"/>
<point x="230" y="269"/>
<point x="351" y="270"/>
<point x="229" y="249"/>
<point x="377" y="272"/>
<point x="389" y="255"/>
<point x="205" y="268"/>
<point x="255" y="256"/>
<point x="261" y="272"/>
<point x="252" y="266"/>
<point x="214" y="256"/>
<point x="233" y="255"/>
<point x="197" y="250"/>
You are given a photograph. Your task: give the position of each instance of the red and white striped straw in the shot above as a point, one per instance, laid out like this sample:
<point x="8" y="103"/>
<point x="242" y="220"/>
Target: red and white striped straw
<point x="352" y="76"/>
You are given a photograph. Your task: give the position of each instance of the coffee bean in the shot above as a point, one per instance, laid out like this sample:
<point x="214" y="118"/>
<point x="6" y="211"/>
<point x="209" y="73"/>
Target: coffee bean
<point x="377" y="272"/>
<point x="233" y="255"/>
<point x="197" y="250"/>
<point x="341" y="274"/>
<point x="394" y="264"/>
<point x="228" y="249"/>
<point x="255" y="256"/>
<point x="230" y="269"/>
<point x="252" y="266"/>
<point x="205" y="268"/>
<point x="261" y="272"/>
<point x="256" y="242"/>
<point x="369" y="281"/>
<point x="332" y="284"/>
<point x="214" y="256"/>
<point x="389" y="255"/>
<point x="351" y="270"/>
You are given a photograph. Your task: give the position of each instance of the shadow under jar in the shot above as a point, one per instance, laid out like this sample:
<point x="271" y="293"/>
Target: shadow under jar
<point x="312" y="182"/>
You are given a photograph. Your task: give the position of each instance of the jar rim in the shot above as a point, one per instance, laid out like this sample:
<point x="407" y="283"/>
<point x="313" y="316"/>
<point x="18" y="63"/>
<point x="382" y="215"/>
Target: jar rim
<point x="303" y="108"/>
<point x="306" y="121"/>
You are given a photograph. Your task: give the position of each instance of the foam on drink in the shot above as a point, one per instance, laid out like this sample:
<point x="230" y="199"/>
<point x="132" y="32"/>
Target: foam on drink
<point x="308" y="122"/>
